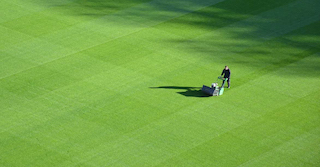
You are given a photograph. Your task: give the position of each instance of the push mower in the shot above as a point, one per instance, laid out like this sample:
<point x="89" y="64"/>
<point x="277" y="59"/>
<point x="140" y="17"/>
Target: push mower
<point x="215" y="90"/>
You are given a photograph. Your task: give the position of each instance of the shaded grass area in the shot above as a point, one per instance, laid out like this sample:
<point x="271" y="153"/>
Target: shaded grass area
<point x="94" y="90"/>
<point x="217" y="16"/>
<point x="61" y="15"/>
<point x="97" y="8"/>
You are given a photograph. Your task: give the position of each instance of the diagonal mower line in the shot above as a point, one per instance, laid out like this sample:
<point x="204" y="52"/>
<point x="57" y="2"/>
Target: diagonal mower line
<point x="153" y="126"/>
<point x="267" y="34"/>
<point x="49" y="8"/>
<point x="26" y="6"/>
<point x="259" y="38"/>
<point x="248" y="121"/>
<point x="81" y="50"/>
<point x="93" y="46"/>
<point x="115" y="39"/>
<point x="27" y="35"/>
<point x="85" y="49"/>
<point x="47" y="147"/>
<point x="276" y="66"/>
<point x="146" y="132"/>
<point x="44" y="95"/>
<point x="160" y="121"/>
<point x="102" y="43"/>
<point x="52" y="148"/>
<point x="262" y="39"/>
<point x="305" y="134"/>
<point x="49" y="15"/>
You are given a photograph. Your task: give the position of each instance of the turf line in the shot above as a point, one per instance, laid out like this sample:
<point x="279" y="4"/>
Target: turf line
<point x="43" y="38"/>
<point x="253" y="122"/>
<point x="128" y="141"/>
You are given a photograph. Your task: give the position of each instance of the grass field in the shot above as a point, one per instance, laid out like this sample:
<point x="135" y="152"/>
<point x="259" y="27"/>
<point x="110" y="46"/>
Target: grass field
<point x="117" y="83"/>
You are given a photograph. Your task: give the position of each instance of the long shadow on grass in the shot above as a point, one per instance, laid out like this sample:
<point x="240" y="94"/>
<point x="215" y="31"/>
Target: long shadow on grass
<point x="188" y="91"/>
<point x="263" y="35"/>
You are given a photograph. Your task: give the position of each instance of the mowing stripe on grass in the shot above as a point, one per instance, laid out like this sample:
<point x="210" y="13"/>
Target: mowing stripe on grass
<point x="121" y="88"/>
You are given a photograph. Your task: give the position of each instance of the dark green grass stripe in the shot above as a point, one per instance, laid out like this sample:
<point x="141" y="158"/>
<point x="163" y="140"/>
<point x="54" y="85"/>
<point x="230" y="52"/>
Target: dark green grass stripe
<point x="307" y="47"/>
<point x="255" y="138"/>
<point x="11" y="37"/>
<point x="80" y="39"/>
<point x="266" y="56"/>
<point x="275" y="66"/>
<point x="33" y="152"/>
<point x="257" y="55"/>
<point x="62" y="16"/>
<point x="217" y="16"/>
<point x="308" y="36"/>
<point x="139" y="138"/>
<point x="231" y="11"/>
<point x="301" y="151"/>
<point x="96" y="8"/>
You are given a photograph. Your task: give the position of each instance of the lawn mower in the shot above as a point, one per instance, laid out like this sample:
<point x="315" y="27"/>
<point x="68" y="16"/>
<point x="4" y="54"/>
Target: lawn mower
<point x="215" y="90"/>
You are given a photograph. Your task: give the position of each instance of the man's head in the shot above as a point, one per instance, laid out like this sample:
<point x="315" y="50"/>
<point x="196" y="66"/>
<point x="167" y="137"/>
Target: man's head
<point x="226" y="67"/>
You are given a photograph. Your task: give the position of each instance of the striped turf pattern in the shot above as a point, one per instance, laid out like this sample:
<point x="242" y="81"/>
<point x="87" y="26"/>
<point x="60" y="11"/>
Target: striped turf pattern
<point x="117" y="83"/>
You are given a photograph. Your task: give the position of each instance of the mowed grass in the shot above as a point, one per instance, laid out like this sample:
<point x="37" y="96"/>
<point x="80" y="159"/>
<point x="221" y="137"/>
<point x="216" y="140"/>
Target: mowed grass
<point x="117" y="83"/>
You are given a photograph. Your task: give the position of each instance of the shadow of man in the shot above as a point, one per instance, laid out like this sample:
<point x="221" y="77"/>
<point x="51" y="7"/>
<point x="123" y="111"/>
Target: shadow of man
<point x="189" y="91"/>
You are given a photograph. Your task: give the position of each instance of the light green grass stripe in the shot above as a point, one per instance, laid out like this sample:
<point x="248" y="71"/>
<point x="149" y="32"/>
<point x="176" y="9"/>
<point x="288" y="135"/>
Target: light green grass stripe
<point x="257" y="137"/>
<point x="10" y="37"/>
<point x="118" y="25"/>
<point x="58" y="16"/>
<point x="145" y="137"/>
<point x="175" y="132"/>
<point x="67" y="40"/>
<point x="300" y="151"/>
<point x="10" y="11"/>
<point x="10" y="65"/>
<point x="37" y="24"/>
<point x="14" y="9"/>
<point x="271" y="101"/>
<point x="26" y="158"/>
<point x="91" y="34"/>
<point x="288" y="78"/>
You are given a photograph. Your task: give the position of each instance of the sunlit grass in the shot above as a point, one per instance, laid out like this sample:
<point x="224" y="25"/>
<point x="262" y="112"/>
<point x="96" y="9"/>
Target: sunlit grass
<point x="117" y="83"/>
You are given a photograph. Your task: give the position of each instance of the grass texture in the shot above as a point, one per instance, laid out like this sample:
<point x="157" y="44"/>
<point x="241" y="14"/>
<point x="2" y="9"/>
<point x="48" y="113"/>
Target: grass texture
<point x="117" y="83"/>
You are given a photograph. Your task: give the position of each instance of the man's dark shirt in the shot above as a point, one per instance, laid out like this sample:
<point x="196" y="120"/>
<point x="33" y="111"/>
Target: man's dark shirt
<point x="226" y="73"/>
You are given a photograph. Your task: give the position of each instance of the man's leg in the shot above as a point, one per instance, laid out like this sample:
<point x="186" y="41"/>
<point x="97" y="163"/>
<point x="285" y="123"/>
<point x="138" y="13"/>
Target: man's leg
<point x="228" y="82"/>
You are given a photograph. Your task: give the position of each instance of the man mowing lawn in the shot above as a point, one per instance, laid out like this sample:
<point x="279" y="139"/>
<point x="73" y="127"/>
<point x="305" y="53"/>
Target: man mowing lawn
<point x="227" y="74"/>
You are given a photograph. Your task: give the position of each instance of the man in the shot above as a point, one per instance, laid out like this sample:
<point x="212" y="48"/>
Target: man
<point x="227" y="74"/>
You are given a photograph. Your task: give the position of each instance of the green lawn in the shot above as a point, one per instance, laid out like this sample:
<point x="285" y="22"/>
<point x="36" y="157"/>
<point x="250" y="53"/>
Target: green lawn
<point x="117" y="83"/>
